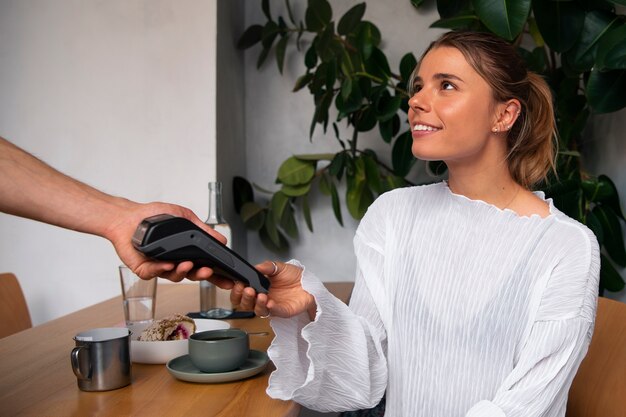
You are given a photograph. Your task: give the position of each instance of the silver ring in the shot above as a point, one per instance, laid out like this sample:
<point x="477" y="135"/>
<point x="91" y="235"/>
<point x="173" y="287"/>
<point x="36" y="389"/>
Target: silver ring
<point x="266" y="316"/>
<point x="275" y="271"/>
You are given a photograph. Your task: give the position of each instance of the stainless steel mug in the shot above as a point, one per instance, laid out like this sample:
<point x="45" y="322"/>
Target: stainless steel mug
<point x="101" y="359"/>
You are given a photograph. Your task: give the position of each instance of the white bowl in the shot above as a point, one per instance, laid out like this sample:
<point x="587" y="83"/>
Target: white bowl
<point x="162" y="352"/>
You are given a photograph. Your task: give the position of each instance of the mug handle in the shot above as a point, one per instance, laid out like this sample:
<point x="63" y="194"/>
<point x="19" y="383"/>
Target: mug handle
<point x="76" y="364"/>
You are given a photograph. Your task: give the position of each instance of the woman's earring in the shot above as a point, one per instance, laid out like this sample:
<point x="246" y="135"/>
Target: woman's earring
<point x="495" y="129"/>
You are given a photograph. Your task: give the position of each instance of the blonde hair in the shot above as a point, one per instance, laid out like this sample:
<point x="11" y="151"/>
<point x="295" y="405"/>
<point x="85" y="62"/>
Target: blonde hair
<point x="532" y="140"/>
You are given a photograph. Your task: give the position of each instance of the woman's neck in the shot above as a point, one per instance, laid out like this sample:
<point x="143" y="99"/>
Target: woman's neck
<point x="495" y="186"/>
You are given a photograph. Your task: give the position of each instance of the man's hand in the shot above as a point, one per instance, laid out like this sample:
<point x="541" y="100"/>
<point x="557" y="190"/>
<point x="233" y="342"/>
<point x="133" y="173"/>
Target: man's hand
<point x="120" y="233"/>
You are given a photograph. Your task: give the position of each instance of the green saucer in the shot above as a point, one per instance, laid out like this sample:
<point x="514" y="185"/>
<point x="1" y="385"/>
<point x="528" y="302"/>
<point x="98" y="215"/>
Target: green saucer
<point x="182" y="368"/>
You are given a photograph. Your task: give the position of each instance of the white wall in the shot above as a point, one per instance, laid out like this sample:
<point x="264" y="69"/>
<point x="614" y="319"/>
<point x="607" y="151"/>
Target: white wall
<point x="278" y="121"/>
<point x="119" y="94"/>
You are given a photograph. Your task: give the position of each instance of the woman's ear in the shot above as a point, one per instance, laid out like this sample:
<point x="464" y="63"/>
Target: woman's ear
<point x="508" y="112"/>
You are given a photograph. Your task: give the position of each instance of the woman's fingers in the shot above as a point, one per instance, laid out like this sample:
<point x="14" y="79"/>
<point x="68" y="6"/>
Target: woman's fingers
<point x="260" y="308"/>
<point x="248" y="299"/>
<point x="236" y="293"/>
<point x="270" y="268"/>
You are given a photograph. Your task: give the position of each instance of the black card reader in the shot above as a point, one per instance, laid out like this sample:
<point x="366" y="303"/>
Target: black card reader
<point x="175" y="239"/>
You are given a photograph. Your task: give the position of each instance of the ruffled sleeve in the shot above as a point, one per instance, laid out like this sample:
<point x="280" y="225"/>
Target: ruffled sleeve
<point x="338" y="361"/>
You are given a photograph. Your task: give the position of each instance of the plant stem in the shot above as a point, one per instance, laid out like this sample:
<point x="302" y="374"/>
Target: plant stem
<point x="355" y="134"/>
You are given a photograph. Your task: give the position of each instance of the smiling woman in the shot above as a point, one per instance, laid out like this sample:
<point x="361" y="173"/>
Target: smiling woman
<point x="473" y="297"/>
<point x="488" y="116"/>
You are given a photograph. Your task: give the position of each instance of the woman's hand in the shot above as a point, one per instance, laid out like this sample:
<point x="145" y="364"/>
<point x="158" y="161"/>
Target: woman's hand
<point x="286" y="297"/>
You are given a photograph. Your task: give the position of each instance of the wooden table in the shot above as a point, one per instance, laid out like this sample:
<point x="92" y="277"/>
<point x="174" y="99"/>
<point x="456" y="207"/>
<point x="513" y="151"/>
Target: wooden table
<point x="36" y="377"/>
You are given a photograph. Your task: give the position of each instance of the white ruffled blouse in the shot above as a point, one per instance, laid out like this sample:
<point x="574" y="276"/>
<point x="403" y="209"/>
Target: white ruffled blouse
<point x="459" y="309"/>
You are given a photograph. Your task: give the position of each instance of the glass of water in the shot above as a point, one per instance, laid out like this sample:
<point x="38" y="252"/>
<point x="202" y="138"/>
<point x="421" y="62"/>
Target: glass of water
<point x="139" y="298"/>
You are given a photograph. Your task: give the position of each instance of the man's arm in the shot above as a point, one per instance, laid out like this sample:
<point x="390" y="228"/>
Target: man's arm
<point x="32" y="189"/>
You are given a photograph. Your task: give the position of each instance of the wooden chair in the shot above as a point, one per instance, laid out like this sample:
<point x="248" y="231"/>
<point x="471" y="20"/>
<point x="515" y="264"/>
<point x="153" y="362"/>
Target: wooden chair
<point x="599" y="388"/>
<point x="14" y="313"/>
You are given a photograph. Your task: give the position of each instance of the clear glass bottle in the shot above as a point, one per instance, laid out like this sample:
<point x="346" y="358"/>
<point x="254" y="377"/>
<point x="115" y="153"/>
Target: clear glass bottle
<point x="215" y="302"/>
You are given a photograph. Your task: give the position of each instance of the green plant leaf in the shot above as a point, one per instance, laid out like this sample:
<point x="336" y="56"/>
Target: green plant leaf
<point x="365" y="119"/>
<point x="612" y="231"/>
<point x="594" y="224"/>
<point x="401" y="157"/>
<point x="325" y="184"/>
<point x="294" y="171"/>
<point x="321" y="111"/>
<point x="596" y="190"/>
<point x="306" y="212"/>
<point x="281" y="47"/>
<point x="323" y="45"/>
<point x="288" y="222"/>
<point x="458" y="22"/>
<point x="351" y="19"/>
<point x="253" y="215"/>
<point x="302" y="81"/>
<point x="533" y="29"/>
<point x="250" y="37"/>
<point x="270" y="228"/>
<point x="318" y="14"/>
<point x="337" y="165"/>
<point x="358" y="195"/>
<point x="612" y="49"/>
<point x="372" y="174"/>
<point x="560" y="22"/>
<point x="582" y="55"/>
<point x="269" y="243"/>
<point x="450" y="8"/>
<point x="277" y="205"/>
<point x="358" y="198"/>
<point x="331" y="76"/>
<point x="368" y="38"/>
<point x="610" y="279"/>
<point x="387" y="107"/>
<point x="265" y="6"/>
<point x="347" y="68"/>
<point x="417" y="3"/>
<point x="352" y="103"/>
<point x="535" y="60"/>
<point x="407" y="65"/>
<point x="622" y="2"/>
<point x="377" y="65"/>
<point x="393" y="181"/>
<point x="316" y="157"/>
<point x="289" y="11"/>
<point x="389" y="128"/>
<point x="505" y="18"/>
<point x="567" y="197"/>
<point x="242" y="193"/>
<point x="262" y="57"/>
<point x="572" y="115"/>
<point x="605" y="90"/>
<point x="310" y="57"/>
<point x="270" y="31"/>
<point x="335" y="202"/>
<point x="346" y="88"/>
<point x="613" y="199"/>
<point x="296" y="190"/>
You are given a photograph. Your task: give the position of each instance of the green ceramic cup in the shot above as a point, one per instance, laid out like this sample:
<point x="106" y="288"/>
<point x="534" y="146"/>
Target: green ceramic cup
<point x="215" y="351"/>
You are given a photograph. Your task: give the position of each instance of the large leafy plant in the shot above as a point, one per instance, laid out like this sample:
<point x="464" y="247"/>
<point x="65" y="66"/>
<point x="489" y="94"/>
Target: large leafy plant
<point x="579" y="46"/>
